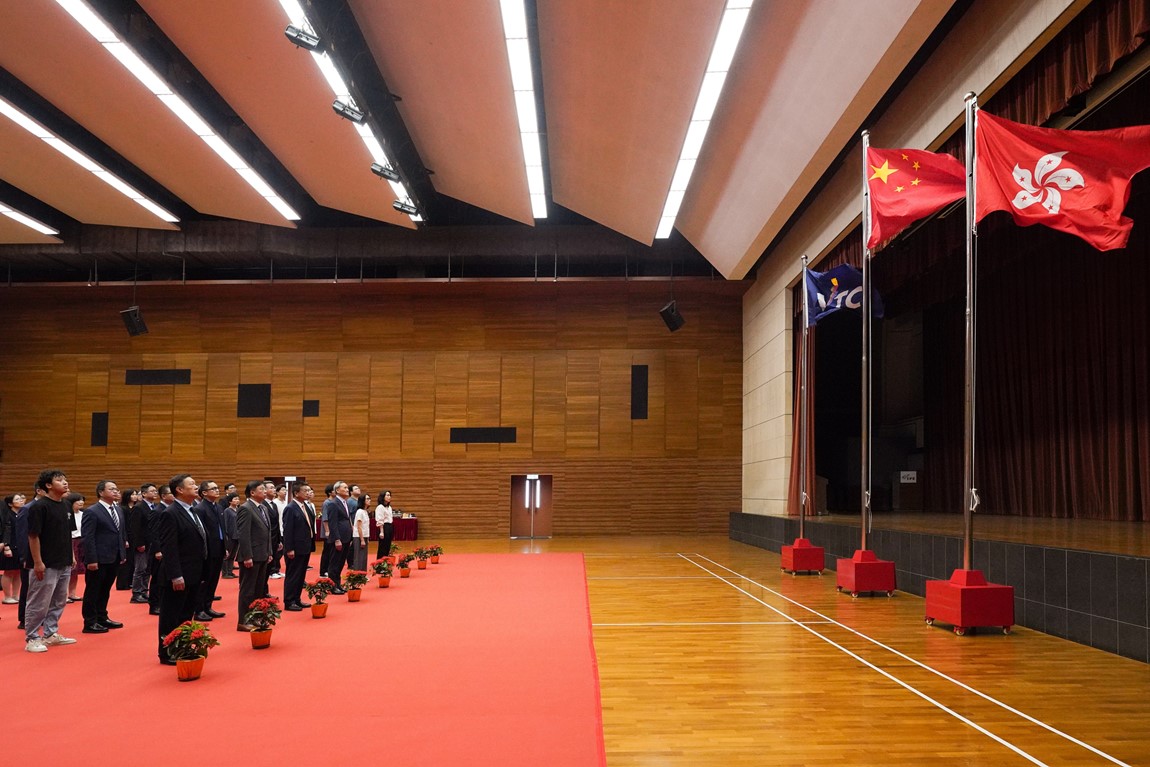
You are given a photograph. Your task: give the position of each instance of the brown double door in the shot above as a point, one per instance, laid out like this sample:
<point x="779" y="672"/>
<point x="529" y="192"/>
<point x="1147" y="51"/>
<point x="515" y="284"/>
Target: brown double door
<point x="531" y="506"/>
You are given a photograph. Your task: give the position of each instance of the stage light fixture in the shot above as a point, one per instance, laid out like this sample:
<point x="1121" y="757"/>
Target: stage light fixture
<point x="404" y="206"/>
<point x="303" y="39"/>
<point x="384" y="171"/>
<point x="348" y="112"/>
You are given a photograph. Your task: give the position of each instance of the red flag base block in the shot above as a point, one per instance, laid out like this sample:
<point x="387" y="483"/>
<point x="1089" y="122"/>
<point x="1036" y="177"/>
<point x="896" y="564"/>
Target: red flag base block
<point x="967" y="600"/>
<point x="802" y="557"/>
<point x="865" y="572"/>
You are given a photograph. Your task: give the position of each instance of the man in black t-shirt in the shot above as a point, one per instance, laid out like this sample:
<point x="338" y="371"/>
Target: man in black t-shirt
<point x="50" y="525"/>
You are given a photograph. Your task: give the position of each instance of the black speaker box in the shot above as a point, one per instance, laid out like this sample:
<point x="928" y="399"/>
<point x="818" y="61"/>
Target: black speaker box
<point x="133" y="321"/>
<point x="671" y="316"/>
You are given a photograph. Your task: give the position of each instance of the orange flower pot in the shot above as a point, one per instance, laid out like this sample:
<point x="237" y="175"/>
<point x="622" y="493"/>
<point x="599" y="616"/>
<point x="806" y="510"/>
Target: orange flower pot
<point x="421" y="564"/>
<point x="261" y="640"/>
<point x="353" y="595"/>
<point x="188" y="670"/>
<point x="319" y="610"/>
<point x="405" y="572"/>
<point x="384" y="581"/>
<point x="435" y="559"/>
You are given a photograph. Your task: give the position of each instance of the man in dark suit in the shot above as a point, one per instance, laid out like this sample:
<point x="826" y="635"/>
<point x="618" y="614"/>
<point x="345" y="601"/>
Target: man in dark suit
<point x="184" y="545"/>
<point x="139" y="522"/>
<point x="277" y="534"/>
<point x="339" y="532"/>
<point x="253" y="547"/>
<point x="105" y="539"/>
<point x="228" y="513"/>
<point x="211" y="516"/>
<point x="299" y="543"/>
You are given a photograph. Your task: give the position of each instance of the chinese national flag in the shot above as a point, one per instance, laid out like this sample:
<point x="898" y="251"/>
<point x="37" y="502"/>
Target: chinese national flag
<point x="909" y="184"/>
<point x="1074" y="181"/>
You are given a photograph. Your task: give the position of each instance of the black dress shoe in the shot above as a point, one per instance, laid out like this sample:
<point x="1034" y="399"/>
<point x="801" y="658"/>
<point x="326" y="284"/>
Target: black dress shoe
<point x="216" y="598"/>
<point x="167" y="661"/>
<point x="245" y="628"/>
<point x="216" y="613"/>
<point x="338" y="591"/>
<point x="111" y="624"/>
<point x="95" y="628"/>
<point x="139" y="600"/>
<point x="229" y="576"/>
<point x="154" y="611"/>
<point x="293" y="608"/>
<point x="304" y="604"/>
<point x="203" y="617"/>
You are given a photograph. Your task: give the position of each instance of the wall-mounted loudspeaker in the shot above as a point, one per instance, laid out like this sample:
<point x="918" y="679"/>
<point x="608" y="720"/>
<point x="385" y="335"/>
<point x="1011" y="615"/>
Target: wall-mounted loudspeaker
<point x="133" y="321"/>
<point x="671" y="316"/>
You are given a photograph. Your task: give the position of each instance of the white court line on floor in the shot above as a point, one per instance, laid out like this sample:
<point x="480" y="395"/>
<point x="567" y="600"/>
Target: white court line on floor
<point x="920" y="664"/>
<point x="650" y="578"/>
<point x="707" y="623"/>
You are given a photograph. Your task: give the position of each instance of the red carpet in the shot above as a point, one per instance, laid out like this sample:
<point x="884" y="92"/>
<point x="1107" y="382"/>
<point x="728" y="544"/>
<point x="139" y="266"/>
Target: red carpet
<point x="484" y="659"/>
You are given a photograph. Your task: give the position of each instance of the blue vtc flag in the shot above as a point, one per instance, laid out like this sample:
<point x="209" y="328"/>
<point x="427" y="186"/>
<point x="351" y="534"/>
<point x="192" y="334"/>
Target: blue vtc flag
<point x="838" y="288"/>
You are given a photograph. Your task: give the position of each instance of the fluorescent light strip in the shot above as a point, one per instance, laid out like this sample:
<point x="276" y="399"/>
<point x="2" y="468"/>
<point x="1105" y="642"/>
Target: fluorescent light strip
<point x="722" y="54"/>
<point x="95" y="26"/>
<point x="83" y="160"/>
<point x="523" y="84"/>
<point x="339" y="89"/>
<point x="26" y="220"/>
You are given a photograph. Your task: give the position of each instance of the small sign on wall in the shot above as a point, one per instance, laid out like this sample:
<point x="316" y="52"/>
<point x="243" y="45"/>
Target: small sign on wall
<point x="908" y="477"/>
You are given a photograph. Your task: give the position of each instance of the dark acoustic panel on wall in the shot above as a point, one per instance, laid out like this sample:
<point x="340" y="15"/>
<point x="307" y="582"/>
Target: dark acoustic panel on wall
<point x="158" y="377"/>
<point x="99" y="429"/>
<point x="485" y="434"/>
<point x="311" y="408"/>
<point x="254" y="401"/>
<point x="638" y="392"/>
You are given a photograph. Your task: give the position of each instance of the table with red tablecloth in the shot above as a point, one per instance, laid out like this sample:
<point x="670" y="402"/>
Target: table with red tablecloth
<point x="402" y="529"/>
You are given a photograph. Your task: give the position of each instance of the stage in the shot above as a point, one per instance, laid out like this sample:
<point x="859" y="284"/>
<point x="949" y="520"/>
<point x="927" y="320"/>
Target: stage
<point x="1083" y="580"/>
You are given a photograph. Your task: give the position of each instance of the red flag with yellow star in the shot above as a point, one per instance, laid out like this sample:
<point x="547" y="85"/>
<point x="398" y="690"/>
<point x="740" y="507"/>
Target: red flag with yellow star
<point x="909" y="184"/>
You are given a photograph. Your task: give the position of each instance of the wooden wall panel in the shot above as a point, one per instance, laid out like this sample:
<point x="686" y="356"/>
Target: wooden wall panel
<point x="385" y="408"/>
<point x="418" y="405"/>
<point x="517" y="402"/>
<point x="549" y="416"/>
<point x="394" y="366"/>
<point x="92" y="372"/>
<point x="223" y="376"/>
<point x="352" y="399"/>
<point x="484" y="377"/>
<point x="189" y="406"/>
<point x="649" y="436"/>
<point x="615" y="402"/>
<point x="582" y="402"/>
<point x="450" y="401"/>
<point x="681" y="401"/>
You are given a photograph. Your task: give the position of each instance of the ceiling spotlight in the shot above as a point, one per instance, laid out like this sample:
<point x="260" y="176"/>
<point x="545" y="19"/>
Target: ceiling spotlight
<point x="347" y="111"/>
<point x="384" y="172"/>
<point x="404" y="206"/>
<point x="305" y="40"/>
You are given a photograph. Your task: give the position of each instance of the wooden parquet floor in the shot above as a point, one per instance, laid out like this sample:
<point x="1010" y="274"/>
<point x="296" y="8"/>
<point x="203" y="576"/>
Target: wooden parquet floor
<point x="709" y="655"/>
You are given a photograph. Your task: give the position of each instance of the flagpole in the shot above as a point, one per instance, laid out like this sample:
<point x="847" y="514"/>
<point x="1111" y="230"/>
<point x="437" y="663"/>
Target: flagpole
<point x="866" y="344"/>
<point x="970" y="491"/>
<point x="804" y="349"/>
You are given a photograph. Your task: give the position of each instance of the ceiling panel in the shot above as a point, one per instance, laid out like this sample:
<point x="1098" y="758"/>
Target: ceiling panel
<point x="279" y="92"/>
<point x="773" y="136"/>
<point x="13" y="233"/>
<point x="41" y="45"/>
<point x="620" y="83"/>
<point x="448" y="61"/>
<point x="29" y="164"/>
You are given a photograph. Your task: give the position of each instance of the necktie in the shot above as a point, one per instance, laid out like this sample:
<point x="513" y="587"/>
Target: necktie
<point x="115" y="516"/>
<point x="200" y="526"/>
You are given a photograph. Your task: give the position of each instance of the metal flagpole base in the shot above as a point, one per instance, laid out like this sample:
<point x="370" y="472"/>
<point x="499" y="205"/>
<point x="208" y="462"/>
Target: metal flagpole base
<point x="865" y="573"/>
<point x="967" y="601"/>
<point x="802" y="557"/>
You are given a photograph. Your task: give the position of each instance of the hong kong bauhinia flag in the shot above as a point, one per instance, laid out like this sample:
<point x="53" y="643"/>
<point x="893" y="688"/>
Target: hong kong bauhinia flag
<point x="1074" y="181"/>
<point x="908" y="184"/>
